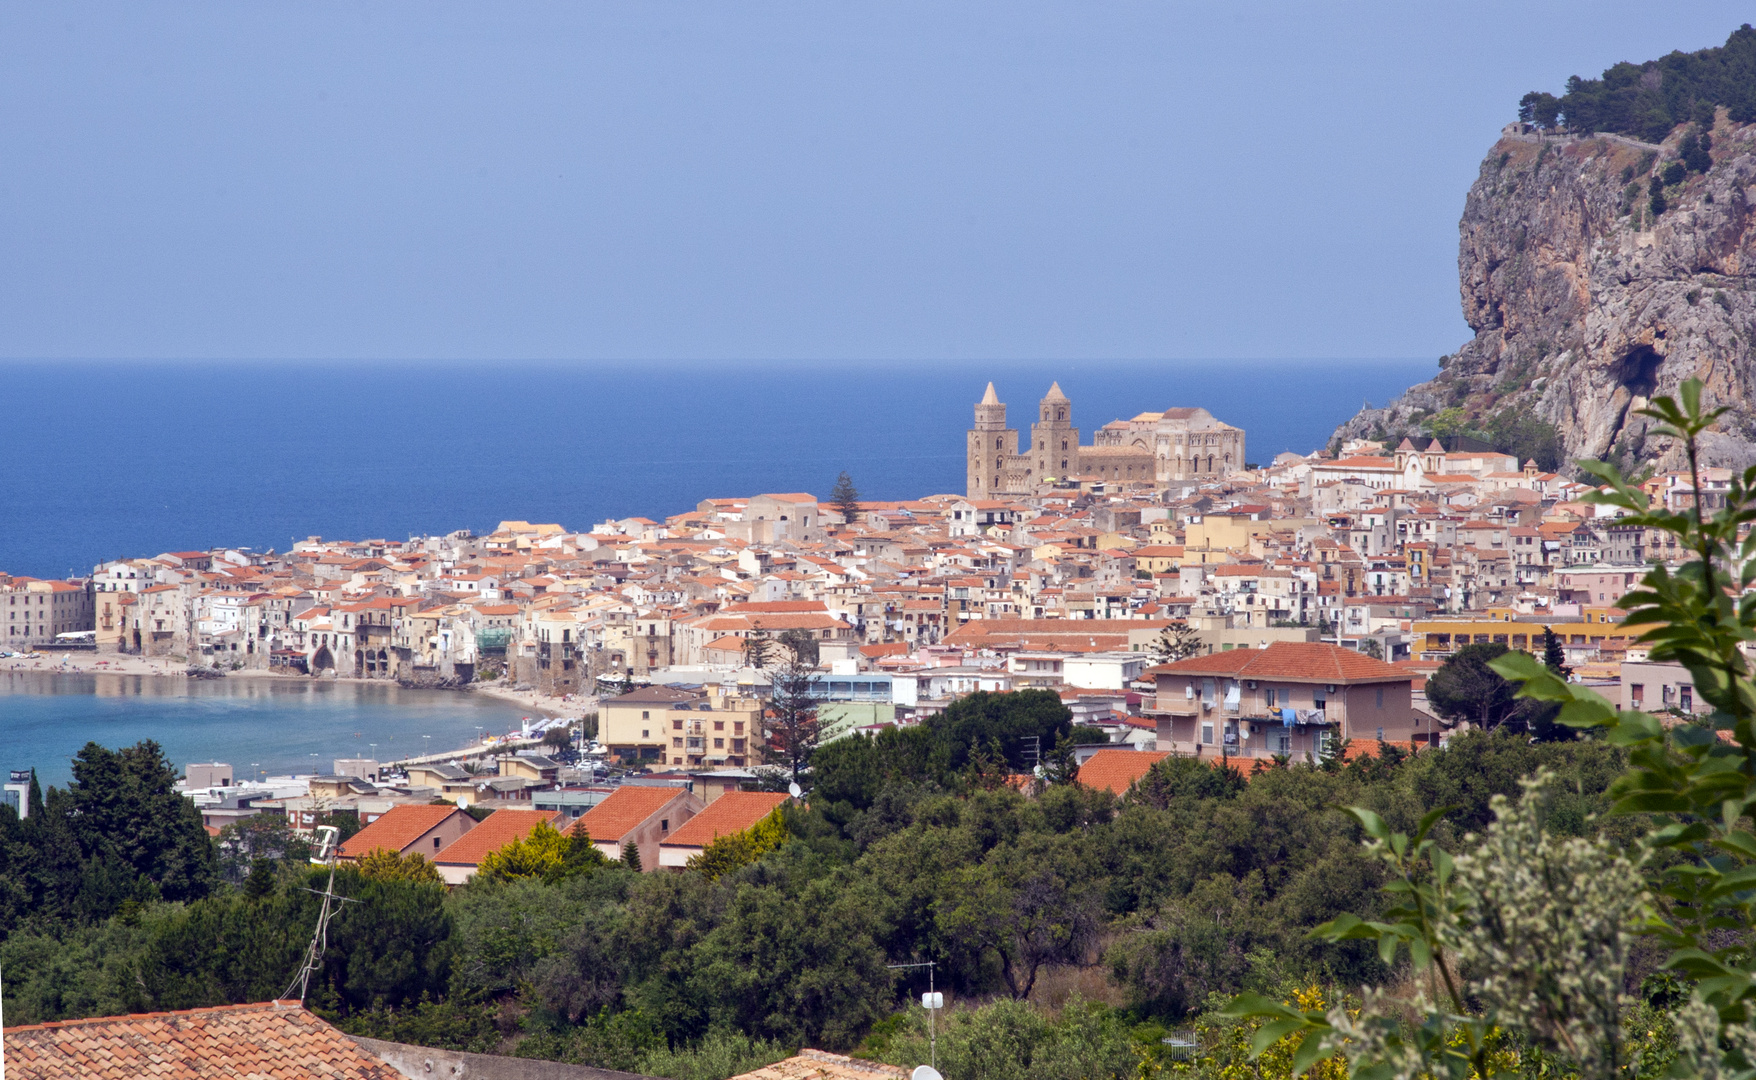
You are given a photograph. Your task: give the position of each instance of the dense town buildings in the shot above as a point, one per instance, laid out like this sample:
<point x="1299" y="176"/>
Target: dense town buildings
<point x="1320" y="589"/>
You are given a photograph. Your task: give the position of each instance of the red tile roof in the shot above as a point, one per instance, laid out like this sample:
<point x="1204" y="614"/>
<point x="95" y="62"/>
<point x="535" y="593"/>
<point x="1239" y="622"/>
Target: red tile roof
<point x="276" y="1040"/>
<point x="399" y="827"/>
<point x="625" y="810"/>
<point x="732" y="812"/>
<point x="1307" y="661"/>
<point x="1116" y="771"/>
<point x="494" y="832"/>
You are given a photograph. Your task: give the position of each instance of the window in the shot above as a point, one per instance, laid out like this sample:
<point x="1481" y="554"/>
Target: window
<point x="676" y="725"/>
<point x="664" y="825"/>
<point x="435" y="843"/>
<point x="645" y="714"/>
<point x="1380" y="697"/>
<point x="1637" y="694"/>
<point x="1686" y="697"/>
<point x="1207" y="734"/>
<point x="644" y="733"/>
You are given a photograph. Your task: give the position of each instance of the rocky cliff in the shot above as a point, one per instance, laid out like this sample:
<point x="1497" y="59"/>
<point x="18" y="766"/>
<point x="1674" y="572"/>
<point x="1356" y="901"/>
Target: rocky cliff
<point x="1585" y="302"/>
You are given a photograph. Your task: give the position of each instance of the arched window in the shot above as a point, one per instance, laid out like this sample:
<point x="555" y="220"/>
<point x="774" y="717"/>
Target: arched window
<point x="1063" y="446"/>
<point x="997" y="444"/>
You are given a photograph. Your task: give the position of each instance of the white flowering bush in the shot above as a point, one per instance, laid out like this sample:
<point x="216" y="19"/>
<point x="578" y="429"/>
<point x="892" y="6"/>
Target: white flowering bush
<point x="1519" y="947"/>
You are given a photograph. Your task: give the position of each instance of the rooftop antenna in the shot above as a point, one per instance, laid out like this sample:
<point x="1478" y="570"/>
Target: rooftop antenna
<point x="932" y="1001"/>
<point x="328" y="845"/>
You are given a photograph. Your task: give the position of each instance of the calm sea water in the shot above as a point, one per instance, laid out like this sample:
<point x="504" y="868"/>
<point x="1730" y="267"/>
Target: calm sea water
<point x="257" y="725"/>
<point x="104" y="460"/>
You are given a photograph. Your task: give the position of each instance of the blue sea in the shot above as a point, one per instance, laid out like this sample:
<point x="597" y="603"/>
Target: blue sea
<point x="105" y="460"/>
<point x="260" y="726"/>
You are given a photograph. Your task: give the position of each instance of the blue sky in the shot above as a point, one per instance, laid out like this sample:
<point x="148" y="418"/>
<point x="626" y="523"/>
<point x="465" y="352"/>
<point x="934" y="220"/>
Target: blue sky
<point x="801" y="180"/>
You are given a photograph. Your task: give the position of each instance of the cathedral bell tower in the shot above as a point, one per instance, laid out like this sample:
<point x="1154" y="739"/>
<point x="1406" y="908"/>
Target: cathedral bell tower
<point x="1054" y="441"/>
<point x="992" y="449"/>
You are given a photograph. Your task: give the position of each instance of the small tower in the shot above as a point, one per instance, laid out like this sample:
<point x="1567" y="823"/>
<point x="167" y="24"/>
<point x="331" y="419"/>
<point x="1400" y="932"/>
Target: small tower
<point x="1054" y="441"/>
<point x="993" y="447"/>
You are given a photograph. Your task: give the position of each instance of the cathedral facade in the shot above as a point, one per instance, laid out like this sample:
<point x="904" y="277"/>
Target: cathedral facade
<point x="1157" y="448"/>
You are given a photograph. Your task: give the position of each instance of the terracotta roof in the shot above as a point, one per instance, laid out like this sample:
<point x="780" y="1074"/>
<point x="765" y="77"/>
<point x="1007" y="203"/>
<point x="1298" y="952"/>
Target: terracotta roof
<point x="817" y="1065"/>
<point x="626" y="808"/>
<point x="494" y="832"/>
<point x="732" y="812"/>
<point x="1116" y="770"/>
<point x="1309" y="661"/>
<point x="268" y="1041"/>
<point x="399" y="827"/>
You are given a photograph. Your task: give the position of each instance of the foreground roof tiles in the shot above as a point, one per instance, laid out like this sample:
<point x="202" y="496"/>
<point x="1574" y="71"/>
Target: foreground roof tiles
<point x="732" y="812"/>
<point x="817" y="1065"/>
<point x="276" y="1040"/>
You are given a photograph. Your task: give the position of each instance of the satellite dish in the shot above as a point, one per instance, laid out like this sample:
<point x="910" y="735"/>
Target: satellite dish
<point x="795" y="790"/>
<point x="925" y="1072"/>
<point x="463" y="802"/>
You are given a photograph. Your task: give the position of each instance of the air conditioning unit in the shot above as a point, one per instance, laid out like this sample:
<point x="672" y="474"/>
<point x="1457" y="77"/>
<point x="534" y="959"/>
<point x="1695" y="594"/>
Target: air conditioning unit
<point x="1251" y="684"/>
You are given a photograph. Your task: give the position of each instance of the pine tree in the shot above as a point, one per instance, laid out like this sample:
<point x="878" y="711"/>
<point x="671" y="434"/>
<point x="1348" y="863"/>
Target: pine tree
<point x="794" y="731"/>
<point x="1554" y="658"/>
<point x="631" y="856"/>
<point x="1179" y="641"/>
<point x="845" y="498"/>
<point x="758" y="650"/>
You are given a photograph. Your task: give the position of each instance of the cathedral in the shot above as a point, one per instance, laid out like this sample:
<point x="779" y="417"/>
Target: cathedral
<point x="1157" y="448"/>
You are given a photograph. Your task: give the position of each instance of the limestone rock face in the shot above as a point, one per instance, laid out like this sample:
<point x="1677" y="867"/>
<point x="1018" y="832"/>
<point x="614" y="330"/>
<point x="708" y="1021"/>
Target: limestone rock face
<point x="1585" y="304"/>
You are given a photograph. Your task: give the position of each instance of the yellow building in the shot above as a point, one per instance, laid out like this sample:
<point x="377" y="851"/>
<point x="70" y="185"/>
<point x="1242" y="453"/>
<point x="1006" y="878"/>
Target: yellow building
<point x="665" y="725"/>
<point x="1435" y="639"/>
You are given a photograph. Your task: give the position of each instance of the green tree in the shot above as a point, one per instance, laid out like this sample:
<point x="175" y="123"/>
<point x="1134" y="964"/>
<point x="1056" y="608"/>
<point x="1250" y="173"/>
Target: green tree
<point x="1695" y="150"/>
<point x="1178" y="641"/>
<point x="801" y="647"/>
<point x="758" y="650"/>
<point x="631" y="856"/>
<point x="1554" y="657"/>
<point x="845" y="498"/>
<point x="546" y="854"/>
<point x="382" y="864"/>
<point x="793" y="726"/>
<point x="734" y="850"/>
<point x="1031" y="904"/>
<point x="1467" y="689"/>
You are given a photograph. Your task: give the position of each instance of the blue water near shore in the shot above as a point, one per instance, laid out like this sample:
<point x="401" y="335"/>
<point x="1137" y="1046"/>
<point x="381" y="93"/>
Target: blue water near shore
<point x="109" y="459"/>
<point x="257" y="725"/>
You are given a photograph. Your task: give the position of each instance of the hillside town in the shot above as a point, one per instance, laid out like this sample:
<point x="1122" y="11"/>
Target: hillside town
<point x="1305" y="601"/>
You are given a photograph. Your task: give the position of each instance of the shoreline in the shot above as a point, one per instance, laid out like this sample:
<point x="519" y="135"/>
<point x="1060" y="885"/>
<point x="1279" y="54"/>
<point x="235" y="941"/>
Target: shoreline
<point x="542" y="706"/>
